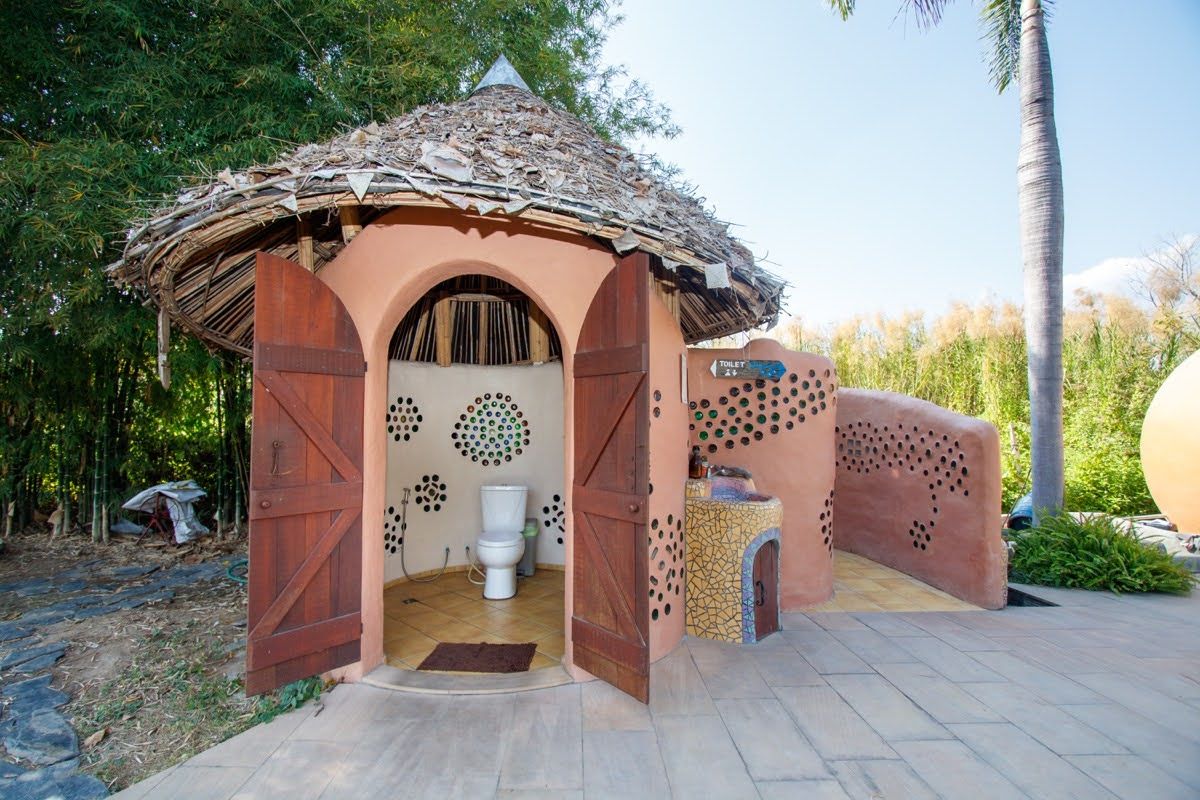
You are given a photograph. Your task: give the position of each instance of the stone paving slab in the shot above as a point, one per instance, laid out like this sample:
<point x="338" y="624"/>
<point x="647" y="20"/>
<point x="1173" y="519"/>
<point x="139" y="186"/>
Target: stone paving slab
<point x="986" y="705"/>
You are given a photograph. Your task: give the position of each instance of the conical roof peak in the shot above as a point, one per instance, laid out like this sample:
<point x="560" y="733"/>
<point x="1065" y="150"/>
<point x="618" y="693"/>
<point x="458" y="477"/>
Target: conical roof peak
<point x="502" y="73"/>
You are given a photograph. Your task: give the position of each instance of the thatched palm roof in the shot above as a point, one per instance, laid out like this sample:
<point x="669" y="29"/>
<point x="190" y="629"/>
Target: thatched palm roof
<point x="502" y="152"/>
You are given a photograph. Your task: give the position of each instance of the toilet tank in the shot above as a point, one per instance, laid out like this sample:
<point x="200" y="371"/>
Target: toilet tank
<point x="503" y="508"/>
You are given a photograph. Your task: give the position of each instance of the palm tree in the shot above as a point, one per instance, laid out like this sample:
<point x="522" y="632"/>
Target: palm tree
<point x="1016" y="33"/>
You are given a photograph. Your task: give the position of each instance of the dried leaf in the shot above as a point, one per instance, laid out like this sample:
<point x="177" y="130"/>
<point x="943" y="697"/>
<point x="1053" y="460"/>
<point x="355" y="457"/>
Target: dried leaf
<point x="95" y="739"/>
<point x="626" y="241"/>
<point x="716" y="276"/>
<point x="359" y="183"/>
<point x="516" y="206"/>
<point x="446" y="162"/>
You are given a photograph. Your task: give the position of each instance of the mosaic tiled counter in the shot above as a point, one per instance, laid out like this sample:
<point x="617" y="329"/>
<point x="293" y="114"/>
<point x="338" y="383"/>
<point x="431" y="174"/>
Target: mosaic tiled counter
<point x="726" y="523"/>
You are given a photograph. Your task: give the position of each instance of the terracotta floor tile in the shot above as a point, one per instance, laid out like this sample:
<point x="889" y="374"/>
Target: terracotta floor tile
<point x="414" y="651"/>
<point x="861" y="584"/>
<point x="528" y="630"/>
<point x="541" y="661"/>
<point x="448" y="603"/>
<point x="553" y="645"/>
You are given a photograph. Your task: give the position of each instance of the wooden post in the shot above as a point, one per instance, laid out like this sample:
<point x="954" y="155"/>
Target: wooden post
<point x="539" y="334"/>
<point x="665" y="284"/>
<point x="484" y="309"/>
<point x="441" y="325"/>
<point x="348" y="216"/>
<point x="419" y="337"/>
<point x="164" y="347"/>
<point x="305" y="256"/>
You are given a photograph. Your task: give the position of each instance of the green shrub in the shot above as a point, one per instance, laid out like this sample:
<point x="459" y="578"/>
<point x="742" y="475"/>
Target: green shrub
<point x="287" y="698"/>
<point x="1093" y="554"/>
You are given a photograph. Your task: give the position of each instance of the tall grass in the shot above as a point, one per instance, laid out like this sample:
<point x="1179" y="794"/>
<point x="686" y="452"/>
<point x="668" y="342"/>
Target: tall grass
<point x="972" y="360"/>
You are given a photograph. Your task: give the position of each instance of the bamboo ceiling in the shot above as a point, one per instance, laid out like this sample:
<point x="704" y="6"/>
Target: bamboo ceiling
<point x="487" y="321"/>
<point x="502" y="152"/>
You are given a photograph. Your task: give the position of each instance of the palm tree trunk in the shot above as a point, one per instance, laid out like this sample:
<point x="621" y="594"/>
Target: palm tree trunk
<point x="1040" y="197"/>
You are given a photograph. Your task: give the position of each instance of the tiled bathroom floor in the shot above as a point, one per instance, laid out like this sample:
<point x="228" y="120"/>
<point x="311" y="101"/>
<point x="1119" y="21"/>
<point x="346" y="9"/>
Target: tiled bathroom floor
<point x="860" y="584"/>
<point x="419" y="615"/>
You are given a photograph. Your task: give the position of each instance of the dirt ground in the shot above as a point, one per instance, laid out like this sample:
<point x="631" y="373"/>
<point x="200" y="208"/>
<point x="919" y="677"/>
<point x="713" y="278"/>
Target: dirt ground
<point x="149" y="686"/>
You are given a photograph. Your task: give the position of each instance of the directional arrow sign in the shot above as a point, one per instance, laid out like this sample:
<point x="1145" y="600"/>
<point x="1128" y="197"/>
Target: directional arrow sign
<point x="743" y="369"/>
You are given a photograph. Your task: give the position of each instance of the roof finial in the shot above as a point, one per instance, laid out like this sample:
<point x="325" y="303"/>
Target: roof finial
<point x="502" y="73"/>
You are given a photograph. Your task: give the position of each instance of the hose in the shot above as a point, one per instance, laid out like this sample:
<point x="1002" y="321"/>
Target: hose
<point x="404" y="535"/>
<point x="474" y="567"/>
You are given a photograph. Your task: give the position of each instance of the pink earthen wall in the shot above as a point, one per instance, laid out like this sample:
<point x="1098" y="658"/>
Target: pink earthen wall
<point x="387" y="268"/>
<point x="784" y="437"/>
<point x="918" y="489"/>
<point x="668" y="477"/>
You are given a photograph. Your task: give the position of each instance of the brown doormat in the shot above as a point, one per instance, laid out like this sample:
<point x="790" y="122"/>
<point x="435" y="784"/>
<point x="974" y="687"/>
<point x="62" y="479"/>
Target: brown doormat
<point x="480" y="657"/>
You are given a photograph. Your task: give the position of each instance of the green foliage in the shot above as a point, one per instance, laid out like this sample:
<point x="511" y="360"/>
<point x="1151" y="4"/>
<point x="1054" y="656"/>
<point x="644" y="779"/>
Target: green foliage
<point x="1093" y="553"/>
<point x="105" y="108"/>
<point x="973" y="361"/>
<point x="287" y="698"/>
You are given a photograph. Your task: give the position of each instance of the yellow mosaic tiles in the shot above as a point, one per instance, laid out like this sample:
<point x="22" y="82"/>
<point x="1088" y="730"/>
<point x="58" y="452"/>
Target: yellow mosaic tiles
<point x="860" y="584"/>
<point x="416" y="616"/>
<point x="716" y="534"/>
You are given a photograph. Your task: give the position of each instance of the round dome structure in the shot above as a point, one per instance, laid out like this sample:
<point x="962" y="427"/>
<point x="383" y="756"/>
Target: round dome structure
<point x="1171" y="446"/>
<point x="502" y="152"/>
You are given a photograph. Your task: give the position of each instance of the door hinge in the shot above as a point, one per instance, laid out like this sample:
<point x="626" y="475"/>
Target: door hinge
<point x="364" y="367"/>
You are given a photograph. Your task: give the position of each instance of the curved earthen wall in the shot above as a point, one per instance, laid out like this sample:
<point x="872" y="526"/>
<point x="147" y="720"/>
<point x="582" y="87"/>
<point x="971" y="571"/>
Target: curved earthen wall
<point x="668" y="476"/>
<point x="387" y="268"/>
<point x="782" y="432"/>
<point x="918" y="489"/>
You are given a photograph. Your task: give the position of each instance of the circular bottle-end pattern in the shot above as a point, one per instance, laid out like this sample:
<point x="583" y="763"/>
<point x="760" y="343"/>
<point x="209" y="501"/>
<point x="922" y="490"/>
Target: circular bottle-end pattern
<point x="403" y="419"/>
<point x="430" y="493"/>
<point x="491" y="431"/>
<point x="666" y="565"/>
<point x="930" y="460"/>
<point x="393" y="530"/>
<point x="752" y="411"/>
<point x="826" y="520"/>
<point x="554" y="517"/>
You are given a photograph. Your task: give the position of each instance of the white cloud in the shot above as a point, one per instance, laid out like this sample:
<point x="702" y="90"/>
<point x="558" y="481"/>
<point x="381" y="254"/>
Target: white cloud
<point x="1113" y="275"/>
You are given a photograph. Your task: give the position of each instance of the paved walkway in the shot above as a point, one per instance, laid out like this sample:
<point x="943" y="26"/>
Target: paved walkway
<point x="1096" y="699"/>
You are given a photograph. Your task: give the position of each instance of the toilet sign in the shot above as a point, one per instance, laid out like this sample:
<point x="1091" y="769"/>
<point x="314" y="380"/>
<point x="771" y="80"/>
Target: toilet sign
<point x="742" y="369"/>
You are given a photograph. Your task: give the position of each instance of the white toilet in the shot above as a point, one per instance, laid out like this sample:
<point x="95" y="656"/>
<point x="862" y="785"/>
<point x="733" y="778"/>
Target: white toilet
<point x="501" y="544"/>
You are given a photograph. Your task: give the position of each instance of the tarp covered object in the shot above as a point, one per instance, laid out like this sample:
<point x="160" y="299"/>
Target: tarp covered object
<point x="178" y="497"/>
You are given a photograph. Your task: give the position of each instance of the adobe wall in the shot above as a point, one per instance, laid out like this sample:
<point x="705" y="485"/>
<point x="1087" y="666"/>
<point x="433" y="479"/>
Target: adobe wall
<point x="785" y="439"/>
<point x="387" y="268"/>
<point x="918" y="489"/>
<point x="668" y="477"/>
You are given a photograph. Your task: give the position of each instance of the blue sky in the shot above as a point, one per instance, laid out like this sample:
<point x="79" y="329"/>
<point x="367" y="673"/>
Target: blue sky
<point x="874" y="164"/>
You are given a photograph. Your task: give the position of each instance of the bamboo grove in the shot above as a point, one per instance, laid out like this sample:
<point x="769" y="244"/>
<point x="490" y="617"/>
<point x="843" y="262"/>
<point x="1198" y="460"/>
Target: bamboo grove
<point x="107" y="109"/>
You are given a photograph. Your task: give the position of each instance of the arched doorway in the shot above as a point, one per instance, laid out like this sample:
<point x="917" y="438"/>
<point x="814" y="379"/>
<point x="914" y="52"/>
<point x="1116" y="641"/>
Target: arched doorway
<point x="475" y="398"/>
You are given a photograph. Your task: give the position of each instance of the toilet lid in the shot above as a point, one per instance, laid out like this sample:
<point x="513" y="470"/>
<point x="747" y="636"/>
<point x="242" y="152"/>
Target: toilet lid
<point x="499" y="538"/>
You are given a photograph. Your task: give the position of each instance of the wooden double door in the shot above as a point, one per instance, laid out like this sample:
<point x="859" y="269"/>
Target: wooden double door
<point x="305" y="586"/>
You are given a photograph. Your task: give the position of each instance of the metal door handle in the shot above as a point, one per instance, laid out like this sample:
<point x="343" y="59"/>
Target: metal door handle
<point x="634" y="508"/>
<point x="761" y="592"/>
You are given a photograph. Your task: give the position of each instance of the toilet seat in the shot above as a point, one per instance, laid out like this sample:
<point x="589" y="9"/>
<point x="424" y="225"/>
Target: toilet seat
<point x="499" y="538"/>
